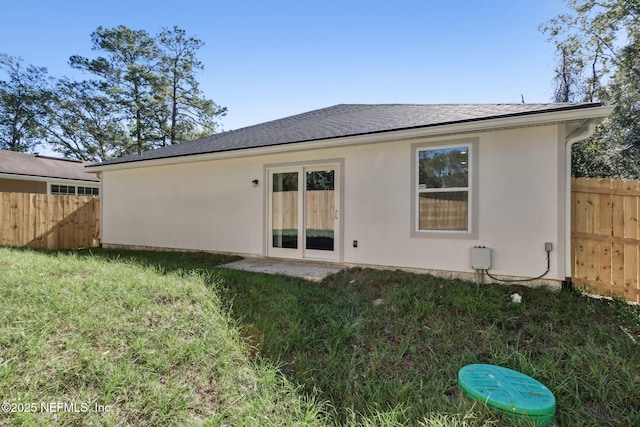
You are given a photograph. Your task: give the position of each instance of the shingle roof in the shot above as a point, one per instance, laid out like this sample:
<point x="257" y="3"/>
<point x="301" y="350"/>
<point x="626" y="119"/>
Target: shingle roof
<point x="22" y="164"/>
<point x="346" y="120"/>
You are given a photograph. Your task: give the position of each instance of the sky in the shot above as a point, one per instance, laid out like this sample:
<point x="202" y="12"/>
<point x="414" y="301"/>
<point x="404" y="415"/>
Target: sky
<point x="265" y="60"/>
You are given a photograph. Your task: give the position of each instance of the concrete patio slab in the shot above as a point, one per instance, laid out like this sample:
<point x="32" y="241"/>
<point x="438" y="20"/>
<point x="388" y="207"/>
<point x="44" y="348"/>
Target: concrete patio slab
<point x="313" y="271"/>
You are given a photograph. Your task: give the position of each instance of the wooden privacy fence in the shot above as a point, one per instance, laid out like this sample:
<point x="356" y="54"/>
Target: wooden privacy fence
<point x="442" y="214"/>
<point x="435" y="214"/>
<point x="320" y="210"/>
<point x="49" y="222"/>
<point x="606" y="237"/>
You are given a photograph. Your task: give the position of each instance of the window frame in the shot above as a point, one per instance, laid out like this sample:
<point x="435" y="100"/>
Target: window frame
<point x="472" y="188"/>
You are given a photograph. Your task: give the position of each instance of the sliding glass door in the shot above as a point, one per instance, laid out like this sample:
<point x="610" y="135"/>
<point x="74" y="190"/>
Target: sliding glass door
<point x="304" y="214"/>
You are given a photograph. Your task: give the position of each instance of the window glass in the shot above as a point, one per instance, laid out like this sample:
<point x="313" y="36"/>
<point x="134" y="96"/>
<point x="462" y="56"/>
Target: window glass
<point x="70" y="190"/>
<point x="444" y="211"/>
<point x="88" y="191"/>
<point x="320" y="210"/>
<point x="287" y="181"/>
<point x="320" y="180"/>
<point x="63" y="190"/>
<point x="443" y="168"/>
<point x="284" y="205"/>
<point x="443" y="189"/>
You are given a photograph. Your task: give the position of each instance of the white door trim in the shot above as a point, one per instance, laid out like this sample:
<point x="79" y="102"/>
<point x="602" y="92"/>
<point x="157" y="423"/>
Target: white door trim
<point x="300" y="252"/>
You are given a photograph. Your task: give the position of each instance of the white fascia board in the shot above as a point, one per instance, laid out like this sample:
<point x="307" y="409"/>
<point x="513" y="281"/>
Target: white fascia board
<point x="423" y="132"/>
<point x="48" y="179"/>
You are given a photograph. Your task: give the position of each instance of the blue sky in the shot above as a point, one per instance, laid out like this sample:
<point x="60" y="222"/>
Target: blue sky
<point x="269" y="59"/>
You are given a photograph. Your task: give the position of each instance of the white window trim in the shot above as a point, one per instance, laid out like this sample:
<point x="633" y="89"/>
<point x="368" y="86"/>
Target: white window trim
<point x="472" y="229"/>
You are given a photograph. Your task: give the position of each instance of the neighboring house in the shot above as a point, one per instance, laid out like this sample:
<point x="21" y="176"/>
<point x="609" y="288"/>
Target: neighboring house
<point x="409" y="186"/>
<point x="32" y="173"/>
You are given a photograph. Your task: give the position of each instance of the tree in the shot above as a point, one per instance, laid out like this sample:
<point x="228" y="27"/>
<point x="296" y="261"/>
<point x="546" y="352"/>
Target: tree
<point x="601" y="39"/>
<point x="153" y="82"/>
<point x="189" y="114"/>
<point x="130" y="76"/>
<point x="83" y="122"/>
<point x="444" y="168"/>
<point x="569" y="77"/>
<point x="23" y="98"/>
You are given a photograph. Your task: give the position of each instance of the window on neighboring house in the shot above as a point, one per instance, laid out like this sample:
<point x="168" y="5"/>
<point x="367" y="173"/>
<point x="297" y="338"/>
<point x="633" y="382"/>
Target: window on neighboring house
<point x="63" y="190"/>
<point x="88" y="191"/>
<point x="443" y="188"/>
<point x="72" y="190"/>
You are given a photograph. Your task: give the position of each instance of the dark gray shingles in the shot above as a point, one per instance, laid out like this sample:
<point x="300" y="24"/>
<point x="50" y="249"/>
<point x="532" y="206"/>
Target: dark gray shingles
<point x="345" y="120"/>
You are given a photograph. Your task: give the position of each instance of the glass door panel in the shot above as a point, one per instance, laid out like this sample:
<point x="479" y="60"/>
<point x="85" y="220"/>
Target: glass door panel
<point x="320" y="210"/>
<point x="303" y="204"/>
<point x="284" y="210"/>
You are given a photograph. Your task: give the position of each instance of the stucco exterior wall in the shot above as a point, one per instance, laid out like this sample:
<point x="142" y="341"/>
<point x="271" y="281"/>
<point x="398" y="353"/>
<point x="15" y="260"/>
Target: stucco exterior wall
<point x="213" y="206"/>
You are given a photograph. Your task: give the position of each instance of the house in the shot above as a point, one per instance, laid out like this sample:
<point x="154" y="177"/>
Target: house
<point x="402" y="186"/>
<point x="33" y="173"/>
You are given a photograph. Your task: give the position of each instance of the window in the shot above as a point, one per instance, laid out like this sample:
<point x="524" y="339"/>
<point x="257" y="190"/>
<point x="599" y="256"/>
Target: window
<point x="443" y="189"/>
<point x="88" y="191"/>
<point x="72" y="190"/>
<point x="63" y="190"/>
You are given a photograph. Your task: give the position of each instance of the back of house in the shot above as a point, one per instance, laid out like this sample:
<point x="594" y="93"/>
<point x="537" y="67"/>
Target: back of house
<point x="402" y="186"/>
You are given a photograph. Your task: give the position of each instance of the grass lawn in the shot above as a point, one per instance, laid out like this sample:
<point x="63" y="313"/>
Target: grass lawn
<point x="97" y="338"/>
<point x="158" y="338"/>
<point x="389" y="344"/>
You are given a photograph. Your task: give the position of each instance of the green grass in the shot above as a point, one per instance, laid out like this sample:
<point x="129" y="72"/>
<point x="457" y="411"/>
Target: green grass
<point x="143" y="335"/>
<point x="164" y="338"/>
<point x="373" y="342"/>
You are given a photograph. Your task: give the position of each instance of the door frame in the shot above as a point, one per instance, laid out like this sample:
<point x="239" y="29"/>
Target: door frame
<point x="301" y="253"/>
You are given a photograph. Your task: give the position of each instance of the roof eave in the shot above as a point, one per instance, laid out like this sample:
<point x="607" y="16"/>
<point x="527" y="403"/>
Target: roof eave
<point x="477" y="125"/>
<point x="23" y="177"/>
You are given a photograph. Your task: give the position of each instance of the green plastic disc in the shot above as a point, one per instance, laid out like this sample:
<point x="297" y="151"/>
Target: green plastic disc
<point x="508" y="391"/>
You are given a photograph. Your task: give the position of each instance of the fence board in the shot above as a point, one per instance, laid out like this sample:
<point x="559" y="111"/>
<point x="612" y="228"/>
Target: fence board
<point x="606" y="236"/>
<point x="606" y="214"/>
<point x="49" y="221"/>
<point x="319" y="205"/>
<point x="40" y="222"/>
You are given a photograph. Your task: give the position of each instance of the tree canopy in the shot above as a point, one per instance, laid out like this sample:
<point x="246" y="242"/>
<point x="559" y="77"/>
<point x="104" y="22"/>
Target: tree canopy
<point x="23" y="97"/>
<point x="598" y="43"/>
<point x="142" y="92"/>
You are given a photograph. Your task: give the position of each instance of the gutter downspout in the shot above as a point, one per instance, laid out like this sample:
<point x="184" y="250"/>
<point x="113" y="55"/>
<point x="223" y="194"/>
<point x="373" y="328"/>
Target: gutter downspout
<point x="583" y="135"/>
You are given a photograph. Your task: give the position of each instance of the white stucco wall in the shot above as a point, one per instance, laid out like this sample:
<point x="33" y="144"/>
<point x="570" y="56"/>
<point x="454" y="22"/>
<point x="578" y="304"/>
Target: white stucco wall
<point x="212" y="205"/>
<point x="205" y="206"/>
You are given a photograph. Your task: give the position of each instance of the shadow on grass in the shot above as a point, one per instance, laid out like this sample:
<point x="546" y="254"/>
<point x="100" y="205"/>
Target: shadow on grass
<point x="165" y="262"/>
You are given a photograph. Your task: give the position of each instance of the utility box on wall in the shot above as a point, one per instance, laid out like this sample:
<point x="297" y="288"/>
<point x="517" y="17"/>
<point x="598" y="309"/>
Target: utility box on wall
<point x="480" y="258"/>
